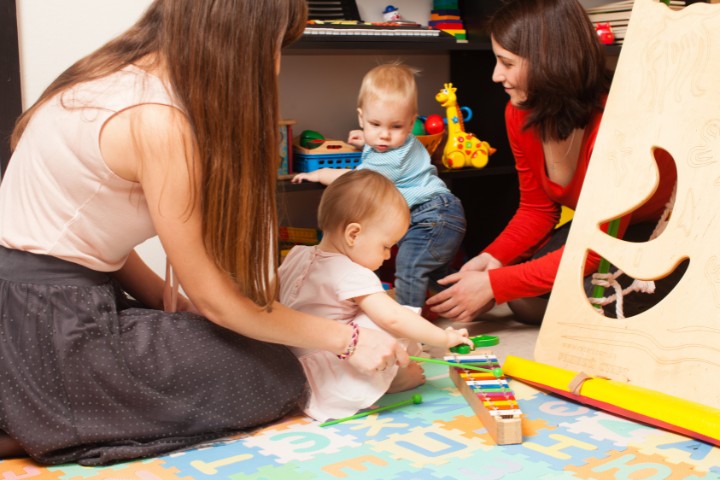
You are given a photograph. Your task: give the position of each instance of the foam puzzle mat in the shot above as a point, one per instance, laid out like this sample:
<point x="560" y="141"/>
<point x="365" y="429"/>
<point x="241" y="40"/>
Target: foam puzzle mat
<point x="440" y="439"/>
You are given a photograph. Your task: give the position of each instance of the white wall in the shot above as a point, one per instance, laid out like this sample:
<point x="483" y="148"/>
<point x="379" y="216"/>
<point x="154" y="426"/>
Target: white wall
<point x="54" y="34"/>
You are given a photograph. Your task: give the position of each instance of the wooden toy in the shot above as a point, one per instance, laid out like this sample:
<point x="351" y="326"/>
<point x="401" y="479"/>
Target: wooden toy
<point x="664" y="95"/>
<point x="462" y="149"/>
<point x="325" y="153"/>
<point x="475" y="367"/>
<point x="489" y="395"/>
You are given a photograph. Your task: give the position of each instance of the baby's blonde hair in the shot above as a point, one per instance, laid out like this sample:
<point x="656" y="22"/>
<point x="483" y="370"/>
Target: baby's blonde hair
<point x="390" y="81"/>
<point x="358" y="196"/>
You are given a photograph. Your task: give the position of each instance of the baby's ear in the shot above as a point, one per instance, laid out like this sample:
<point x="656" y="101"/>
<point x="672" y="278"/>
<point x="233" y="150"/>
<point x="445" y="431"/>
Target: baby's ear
<point x="360" y="117"/>
<point x="352" y="231"/>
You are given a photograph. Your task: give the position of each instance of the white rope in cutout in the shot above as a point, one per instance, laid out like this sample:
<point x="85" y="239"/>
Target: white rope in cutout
<point x="609" y="280"/>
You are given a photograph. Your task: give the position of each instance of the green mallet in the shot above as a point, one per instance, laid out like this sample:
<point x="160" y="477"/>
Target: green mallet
<point x="416" y="399"/>
<point x="497" y="372"/>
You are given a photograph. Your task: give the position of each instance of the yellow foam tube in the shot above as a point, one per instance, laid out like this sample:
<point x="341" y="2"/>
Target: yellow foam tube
<point x="683" y="416"/>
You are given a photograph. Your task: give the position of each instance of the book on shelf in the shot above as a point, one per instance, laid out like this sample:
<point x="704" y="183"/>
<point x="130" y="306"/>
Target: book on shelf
<point x="620" y="11"/>
<point x="626" y="5"/>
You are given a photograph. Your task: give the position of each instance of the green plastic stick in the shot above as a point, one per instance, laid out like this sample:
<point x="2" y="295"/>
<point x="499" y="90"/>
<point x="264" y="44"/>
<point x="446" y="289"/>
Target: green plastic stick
<point x="604" y="266"/>
<point x="416" y="399"/>
<point x="469" y="366"/>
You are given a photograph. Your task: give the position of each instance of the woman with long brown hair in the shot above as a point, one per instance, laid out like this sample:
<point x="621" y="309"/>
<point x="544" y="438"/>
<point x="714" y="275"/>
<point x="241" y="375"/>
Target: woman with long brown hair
<point x="169" y="129"/>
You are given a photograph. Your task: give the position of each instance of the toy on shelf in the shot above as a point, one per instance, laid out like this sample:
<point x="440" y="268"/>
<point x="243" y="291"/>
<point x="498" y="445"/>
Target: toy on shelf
<point x="605" y="33"/>
<point x="391" y="14"/>
<point x="430" y="131"/>
<point x="313" y="151"/>
<point x="462" y="149"/>
<point x="300" y="236"/>
<point x="445" y="16"/>
<point x="311" y="139"/>
<point x="291" y="236"/>
<point x="431" y="142"/>
<point x="434" y="124"/>
<point x="489" y="395"/>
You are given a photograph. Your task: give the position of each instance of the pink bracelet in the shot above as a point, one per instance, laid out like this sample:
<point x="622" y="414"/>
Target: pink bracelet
<point x="353" y="342"/>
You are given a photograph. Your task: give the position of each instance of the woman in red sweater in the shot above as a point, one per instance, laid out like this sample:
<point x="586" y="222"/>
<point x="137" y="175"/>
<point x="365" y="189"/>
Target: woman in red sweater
<point x="552" y="66"/>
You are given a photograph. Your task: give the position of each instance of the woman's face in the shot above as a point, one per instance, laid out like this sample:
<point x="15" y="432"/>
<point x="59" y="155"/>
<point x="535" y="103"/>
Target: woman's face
<point x="511" y="72"/>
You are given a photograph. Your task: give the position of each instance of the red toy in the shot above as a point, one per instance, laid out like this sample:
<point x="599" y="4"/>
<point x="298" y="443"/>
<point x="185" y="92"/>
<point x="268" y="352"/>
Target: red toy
<point x="434" y="124"/>
<point x="605" y="33"/>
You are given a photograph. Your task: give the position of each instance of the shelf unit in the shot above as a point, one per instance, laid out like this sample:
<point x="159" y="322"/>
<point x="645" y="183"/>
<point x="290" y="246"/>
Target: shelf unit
<point x="489" y="195"/>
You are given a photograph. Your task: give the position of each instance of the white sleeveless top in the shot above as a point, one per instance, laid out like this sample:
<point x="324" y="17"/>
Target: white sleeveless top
<point x="58" y="197"/>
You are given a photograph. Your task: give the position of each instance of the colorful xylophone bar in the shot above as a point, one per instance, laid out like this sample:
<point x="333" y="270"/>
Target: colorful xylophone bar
<point x="490" y="397"/>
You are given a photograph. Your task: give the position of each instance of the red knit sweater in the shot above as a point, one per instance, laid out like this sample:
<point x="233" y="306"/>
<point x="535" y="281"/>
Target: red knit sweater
<point x="539" y="211"/>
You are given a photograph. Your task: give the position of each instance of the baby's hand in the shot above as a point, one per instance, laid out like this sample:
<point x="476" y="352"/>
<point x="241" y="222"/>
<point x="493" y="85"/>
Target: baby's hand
<point x="456" y="337"/>
<point x="313" y="176"/>
<point x="356" y="138"/>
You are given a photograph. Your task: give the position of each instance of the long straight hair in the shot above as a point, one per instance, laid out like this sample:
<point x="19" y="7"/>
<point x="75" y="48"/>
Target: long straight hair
<point x="221" y="58"/>
<point x="568" y="77"/>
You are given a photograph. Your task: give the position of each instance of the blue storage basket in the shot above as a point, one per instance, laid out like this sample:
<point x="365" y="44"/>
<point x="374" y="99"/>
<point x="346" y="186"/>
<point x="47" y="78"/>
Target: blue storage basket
<point x="303" y="162"/>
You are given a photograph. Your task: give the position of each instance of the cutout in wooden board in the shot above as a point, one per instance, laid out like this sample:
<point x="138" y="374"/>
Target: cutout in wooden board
<point x="665" y="95"/>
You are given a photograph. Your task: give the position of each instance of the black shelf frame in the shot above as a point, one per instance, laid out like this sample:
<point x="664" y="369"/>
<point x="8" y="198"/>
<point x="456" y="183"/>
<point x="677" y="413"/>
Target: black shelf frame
<point x="10" y="94"/>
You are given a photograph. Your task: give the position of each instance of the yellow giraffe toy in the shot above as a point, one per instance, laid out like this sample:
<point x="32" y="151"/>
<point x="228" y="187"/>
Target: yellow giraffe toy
<point x="462" y="149"/>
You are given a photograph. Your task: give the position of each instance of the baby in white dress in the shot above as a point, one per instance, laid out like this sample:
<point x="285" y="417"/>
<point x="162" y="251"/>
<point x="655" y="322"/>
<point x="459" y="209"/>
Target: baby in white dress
<point x="362" y="215"/>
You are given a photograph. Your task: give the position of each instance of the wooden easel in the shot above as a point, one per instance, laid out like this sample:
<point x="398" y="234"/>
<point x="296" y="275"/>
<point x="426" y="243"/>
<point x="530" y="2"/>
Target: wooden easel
<point x="665" y="94"/>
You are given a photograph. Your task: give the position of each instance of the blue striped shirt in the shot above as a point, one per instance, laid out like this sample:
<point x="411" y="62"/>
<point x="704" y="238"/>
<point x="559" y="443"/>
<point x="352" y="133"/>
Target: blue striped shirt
<point x="409" y="167"/>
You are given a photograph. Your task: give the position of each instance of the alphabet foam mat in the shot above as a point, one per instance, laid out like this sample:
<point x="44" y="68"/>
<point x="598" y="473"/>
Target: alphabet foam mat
<point x="439" y="439"/>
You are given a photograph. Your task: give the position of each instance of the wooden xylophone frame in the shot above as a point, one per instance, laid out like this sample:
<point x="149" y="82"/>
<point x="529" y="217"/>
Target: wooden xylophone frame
<point x="504" y="428"/>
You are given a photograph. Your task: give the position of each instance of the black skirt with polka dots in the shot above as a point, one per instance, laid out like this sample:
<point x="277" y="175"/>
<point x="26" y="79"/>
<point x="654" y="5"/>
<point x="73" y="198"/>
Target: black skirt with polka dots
<point x="85" y="377"/>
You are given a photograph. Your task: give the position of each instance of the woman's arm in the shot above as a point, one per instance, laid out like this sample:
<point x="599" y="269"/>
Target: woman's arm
<point x="537" y="213"/>
<point x="141" y="282"/>
<point x="402" y="322"/>
<point x="161" y="146"/>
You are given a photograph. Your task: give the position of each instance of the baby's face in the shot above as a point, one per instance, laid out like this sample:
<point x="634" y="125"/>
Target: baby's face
<point x="386" y="124"/>
<point x="374" y="243"/>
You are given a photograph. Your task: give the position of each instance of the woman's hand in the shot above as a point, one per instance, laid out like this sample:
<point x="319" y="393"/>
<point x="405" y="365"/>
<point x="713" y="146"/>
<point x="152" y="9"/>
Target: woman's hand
<point x="376" y="351"/>
<point x="481" y="263"/>
<point x="470" y="295"/>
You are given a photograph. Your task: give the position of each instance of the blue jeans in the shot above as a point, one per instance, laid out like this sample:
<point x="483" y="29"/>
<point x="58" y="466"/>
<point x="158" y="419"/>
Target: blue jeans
<point x="437" y="228"/>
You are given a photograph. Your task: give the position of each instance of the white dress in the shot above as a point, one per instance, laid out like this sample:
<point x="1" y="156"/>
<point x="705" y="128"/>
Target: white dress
<point x="324" y="284"/>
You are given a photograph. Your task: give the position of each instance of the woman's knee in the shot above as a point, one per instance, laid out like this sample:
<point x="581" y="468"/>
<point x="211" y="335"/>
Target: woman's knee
<point x="9" y="447"/>
<point x="529" y="310"/>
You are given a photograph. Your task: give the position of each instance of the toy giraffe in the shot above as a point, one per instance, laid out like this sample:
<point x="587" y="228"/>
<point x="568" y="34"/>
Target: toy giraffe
<point x="462" y="149"/>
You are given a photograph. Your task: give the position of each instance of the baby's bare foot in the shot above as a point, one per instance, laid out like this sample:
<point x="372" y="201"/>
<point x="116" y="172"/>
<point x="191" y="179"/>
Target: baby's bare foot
<point x="408" y="378"/>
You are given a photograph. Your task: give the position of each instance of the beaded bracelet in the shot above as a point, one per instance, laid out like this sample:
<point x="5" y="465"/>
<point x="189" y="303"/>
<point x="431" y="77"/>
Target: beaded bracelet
<point x="353" y="342"/>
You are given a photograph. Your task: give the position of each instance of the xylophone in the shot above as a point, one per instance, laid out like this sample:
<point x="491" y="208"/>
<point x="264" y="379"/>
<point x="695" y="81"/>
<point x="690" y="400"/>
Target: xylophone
<point x="489" y="396"/>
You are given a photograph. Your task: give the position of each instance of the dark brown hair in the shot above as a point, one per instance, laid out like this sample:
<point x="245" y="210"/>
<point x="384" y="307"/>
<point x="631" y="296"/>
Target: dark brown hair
<point x="221" y="60"/>
<point x="568" y="77"/>
<point x="357" y="196"/>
